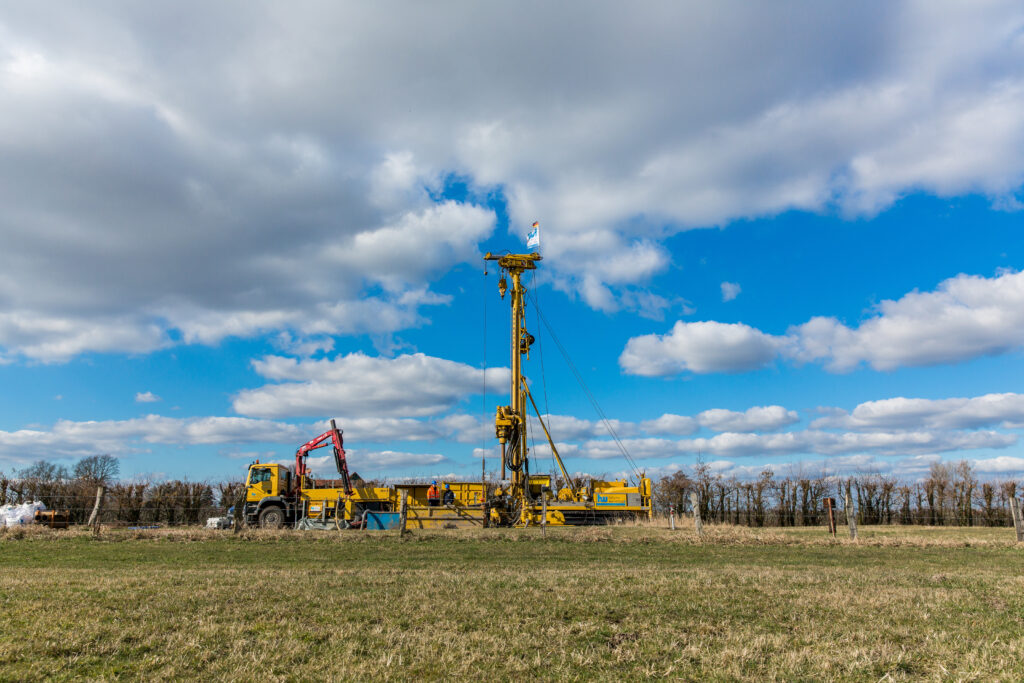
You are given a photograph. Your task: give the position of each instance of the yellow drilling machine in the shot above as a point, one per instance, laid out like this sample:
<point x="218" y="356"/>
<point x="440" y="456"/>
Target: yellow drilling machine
<point x="278" y="495"/>
<point x="532" y="499"/>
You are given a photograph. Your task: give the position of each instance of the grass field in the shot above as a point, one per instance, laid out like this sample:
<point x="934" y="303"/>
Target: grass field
<point x="585" y="604"/>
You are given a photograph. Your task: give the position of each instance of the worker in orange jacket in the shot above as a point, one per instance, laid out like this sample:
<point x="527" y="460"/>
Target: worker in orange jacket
<point x="433" y="495"/>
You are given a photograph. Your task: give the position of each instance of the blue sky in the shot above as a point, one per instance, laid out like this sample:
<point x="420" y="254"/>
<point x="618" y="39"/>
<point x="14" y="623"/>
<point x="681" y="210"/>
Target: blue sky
<point x="785" y="236"/>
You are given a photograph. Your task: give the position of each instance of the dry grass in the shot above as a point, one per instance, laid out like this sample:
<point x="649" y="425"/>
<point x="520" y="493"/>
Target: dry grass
<point x="601" y="603"/>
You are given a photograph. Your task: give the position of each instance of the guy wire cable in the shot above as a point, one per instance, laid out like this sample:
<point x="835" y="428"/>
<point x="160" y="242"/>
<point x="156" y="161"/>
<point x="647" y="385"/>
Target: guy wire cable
<point x="587" y="392"/>
<point x="540" y="353"/>
<point x="483" y="449"/>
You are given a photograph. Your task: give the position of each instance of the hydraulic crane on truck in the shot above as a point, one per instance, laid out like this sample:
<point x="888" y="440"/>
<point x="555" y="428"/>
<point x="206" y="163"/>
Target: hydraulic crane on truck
<point x="333" y="437"/>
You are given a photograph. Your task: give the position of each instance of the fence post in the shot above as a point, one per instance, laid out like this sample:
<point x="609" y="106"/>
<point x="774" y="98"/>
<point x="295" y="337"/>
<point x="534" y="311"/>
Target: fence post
<point x="1018" y="523"/>
<point x="697" y="524"/>
<point x="851" y="517"/>
<point x="97" y="509"/>
<point x="544" y="515"/>
<point x="403" y="514"/>
<point x="672" y="516"/>
<point x="830" y="507"/>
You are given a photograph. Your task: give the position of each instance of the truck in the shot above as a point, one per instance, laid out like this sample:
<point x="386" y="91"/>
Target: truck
<point x="277" y="496"/>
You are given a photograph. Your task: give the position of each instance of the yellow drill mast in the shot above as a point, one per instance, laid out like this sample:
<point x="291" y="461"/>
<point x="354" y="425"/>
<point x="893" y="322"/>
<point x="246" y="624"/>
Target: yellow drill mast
<point x="533" y="499"/>
<point x="510" y="420"/>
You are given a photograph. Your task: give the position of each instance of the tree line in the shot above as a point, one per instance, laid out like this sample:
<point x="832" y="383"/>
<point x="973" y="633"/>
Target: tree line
<point x="951" y="495"/>
<point x="172" y="502"/>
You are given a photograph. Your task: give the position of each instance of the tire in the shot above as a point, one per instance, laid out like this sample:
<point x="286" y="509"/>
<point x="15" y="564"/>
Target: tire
<point x="271" y="517"/>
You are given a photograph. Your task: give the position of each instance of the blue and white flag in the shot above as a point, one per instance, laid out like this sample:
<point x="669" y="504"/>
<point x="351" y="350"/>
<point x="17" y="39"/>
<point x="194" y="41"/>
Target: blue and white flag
<point x="533" y="237"/>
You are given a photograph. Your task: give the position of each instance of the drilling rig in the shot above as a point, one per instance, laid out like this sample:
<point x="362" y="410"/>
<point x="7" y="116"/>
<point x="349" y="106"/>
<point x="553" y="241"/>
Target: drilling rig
<point x="277" y="495"/>
<point x="531" y="499"/>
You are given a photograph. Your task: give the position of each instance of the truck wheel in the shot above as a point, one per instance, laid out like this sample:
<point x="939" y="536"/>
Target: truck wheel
<point x="271" y="517"/>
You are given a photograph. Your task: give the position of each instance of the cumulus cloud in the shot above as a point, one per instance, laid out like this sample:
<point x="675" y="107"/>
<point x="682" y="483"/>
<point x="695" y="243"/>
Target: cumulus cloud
<point x="1005" y="410"/>
<point x="323" y="466"/>
<point x="732" y="444"/>
<point x="701" y="347"/>
<point x="730" y="290"/>
<point x="911" y="467"/>
<point x="146" y="397"/>
<point x="361" y="430"/>
<point x="304" y="347"/>
<point x="228" y="185"/>
<point x="756" y="419"/>
<point x="967" y="316"/>
<point x="672" y="425"/>
<point x="1003" y="464"/>
<point x="412" y="385"/>
<point x="70" y="438"/>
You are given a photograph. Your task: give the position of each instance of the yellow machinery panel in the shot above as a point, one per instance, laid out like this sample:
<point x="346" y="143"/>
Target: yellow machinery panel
<point x="444" y="517"/>
<point x="466" y="512"/>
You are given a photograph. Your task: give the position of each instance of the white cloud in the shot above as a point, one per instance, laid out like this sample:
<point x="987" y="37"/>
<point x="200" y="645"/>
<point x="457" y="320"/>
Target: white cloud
<point x="373" y="461"/>
<point x="1003" y="464"/>
<point x="362" y="430"/>
<point x="989" y="410"/>
<point x="908" y="468"/>
<point x="756" y="419"/>
<point x="671" y="425"/>
<point x="965" y="317"/>
<point x="69" y="438"/>
<point x="732" y="444"/>
<point x="730" y="290"/>
<point x="700" y="347"/>
<point x="146" y="397"/>
<point x="303" y="347"/>
<point x="229" y="185"/>
<point x="58" y="337"/>
<point x="413" y="385"/>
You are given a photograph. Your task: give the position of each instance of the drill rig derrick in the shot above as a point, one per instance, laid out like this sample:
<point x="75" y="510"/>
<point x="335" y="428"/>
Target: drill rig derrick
<point x="510" y="420"/>
<point x="532" y="500"/>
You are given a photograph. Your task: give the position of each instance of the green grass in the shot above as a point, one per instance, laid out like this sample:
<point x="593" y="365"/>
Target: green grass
<point x="586" y="604"/>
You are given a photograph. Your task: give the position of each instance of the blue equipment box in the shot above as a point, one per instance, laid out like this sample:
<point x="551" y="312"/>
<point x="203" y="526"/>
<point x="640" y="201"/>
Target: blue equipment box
<point x="382" y="520"/>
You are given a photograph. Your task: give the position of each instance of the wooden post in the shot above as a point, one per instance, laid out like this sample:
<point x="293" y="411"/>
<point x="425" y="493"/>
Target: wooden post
<point x="544" y="515"/>
<point x="97" y="509"/>
<point x="851" y="517"/>
<point x="831" y="508"/>
<point x="403" y="515"/>
<point x="672" y="516"/>
<point x="1018" y="523"/>
<point x="697" y="524"/>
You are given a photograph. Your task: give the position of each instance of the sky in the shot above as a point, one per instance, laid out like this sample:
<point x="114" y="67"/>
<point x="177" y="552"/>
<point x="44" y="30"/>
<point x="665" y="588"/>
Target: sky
<point x="773" y="234"/>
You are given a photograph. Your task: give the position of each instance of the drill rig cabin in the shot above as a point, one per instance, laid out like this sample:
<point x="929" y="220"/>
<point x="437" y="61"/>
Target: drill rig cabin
<point x="277" y="495"/>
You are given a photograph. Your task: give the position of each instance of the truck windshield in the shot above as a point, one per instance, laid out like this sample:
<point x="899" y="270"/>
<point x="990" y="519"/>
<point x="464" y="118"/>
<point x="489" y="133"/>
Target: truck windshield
<point x="260" y="475"/>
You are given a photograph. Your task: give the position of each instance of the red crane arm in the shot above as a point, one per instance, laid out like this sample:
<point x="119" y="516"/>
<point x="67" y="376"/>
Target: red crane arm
<point x="331" y="436"/>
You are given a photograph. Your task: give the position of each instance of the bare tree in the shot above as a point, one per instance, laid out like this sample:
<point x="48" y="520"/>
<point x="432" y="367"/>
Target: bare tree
<point x="97" y="469"/>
